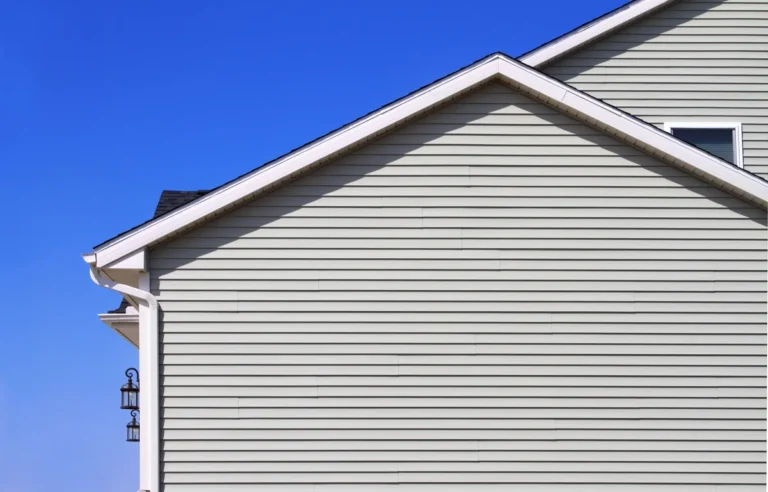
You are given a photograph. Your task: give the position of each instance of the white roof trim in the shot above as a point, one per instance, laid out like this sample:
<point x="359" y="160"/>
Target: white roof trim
<point x="497" y="66"/>
<point x="591" y="31"/>
<point x="108" y="318"/>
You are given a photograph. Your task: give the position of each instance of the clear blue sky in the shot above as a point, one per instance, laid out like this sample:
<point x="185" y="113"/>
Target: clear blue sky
<point x="104" y="104"/>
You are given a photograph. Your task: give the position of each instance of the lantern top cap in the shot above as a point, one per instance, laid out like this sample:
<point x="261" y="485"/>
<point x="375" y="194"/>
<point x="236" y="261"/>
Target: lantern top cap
<point x="129" y="386"/>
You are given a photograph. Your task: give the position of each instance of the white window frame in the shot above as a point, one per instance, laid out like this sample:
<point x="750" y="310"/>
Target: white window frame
<point x="738" y="141"/>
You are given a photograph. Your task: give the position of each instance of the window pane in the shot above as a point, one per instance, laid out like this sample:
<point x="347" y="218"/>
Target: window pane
<point x="717" y="141"/>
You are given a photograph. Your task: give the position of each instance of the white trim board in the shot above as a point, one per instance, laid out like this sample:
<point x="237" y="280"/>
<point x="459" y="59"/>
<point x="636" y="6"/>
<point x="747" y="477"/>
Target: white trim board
<point x="738" y="139"/>
<point x="592" y="31"/>
<point x="494" y="67"/>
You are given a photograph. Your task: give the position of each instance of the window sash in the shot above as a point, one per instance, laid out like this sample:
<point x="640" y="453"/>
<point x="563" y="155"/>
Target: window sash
<point x="717" y="141"/>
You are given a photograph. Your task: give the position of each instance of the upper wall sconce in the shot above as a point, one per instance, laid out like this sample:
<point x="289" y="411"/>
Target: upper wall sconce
<point x="130" y="391"/>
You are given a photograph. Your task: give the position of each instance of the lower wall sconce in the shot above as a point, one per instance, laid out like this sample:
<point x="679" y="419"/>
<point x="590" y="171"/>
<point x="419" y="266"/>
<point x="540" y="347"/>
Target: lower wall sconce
<point x="132" y="428"/>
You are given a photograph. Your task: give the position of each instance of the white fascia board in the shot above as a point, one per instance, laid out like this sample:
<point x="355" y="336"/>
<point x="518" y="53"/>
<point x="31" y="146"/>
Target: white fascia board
<point x="108" y="318"/>
<point x="590" y="32"/>
<point x="296" y="161"/>
<point x="563" y="96"/>
<point x="733" y="177"/>
<point x="652" y="139"/>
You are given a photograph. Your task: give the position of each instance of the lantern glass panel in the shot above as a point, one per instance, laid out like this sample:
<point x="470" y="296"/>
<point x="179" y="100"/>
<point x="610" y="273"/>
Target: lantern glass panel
<point x="130" y="396"/>
<point x="132" y="430"/>
<point x="133" y="434"/>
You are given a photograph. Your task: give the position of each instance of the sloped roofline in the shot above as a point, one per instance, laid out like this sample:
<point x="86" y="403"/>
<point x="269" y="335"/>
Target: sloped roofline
<point x="493" y="67"/>
<point x="591" y="31"/>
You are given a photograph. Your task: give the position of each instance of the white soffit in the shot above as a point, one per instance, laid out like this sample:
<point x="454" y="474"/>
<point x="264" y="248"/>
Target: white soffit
<point x="125" y="324"/>
<point x="592" y="31"/>
<point x="136" y="260"/>
<point x="497" y="66"/>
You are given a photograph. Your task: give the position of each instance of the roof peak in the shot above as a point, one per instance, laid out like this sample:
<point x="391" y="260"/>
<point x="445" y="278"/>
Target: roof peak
<point x="496" y="66"/>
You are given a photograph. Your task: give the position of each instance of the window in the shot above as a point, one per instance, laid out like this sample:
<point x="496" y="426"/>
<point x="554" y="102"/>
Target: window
<point x="720" y="139"/>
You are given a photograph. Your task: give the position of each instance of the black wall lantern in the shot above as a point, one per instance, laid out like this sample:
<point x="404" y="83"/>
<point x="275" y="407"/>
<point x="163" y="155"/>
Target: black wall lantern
<point x="132" y="434"/>
<point x="130" y="392"/>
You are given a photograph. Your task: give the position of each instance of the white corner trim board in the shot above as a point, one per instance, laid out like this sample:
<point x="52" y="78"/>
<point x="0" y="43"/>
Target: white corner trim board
<point x="497" y="66"/>
<point x="149" y="460"/>
<point x="591" y="31"/>
<point x="738" y="139"/>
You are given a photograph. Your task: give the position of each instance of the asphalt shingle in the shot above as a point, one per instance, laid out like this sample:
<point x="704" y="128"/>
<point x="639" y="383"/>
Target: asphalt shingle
<point x="172" y="199"/>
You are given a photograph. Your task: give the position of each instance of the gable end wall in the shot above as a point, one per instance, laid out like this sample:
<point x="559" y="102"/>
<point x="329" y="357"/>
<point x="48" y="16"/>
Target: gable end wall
<point x="493" y="297"/>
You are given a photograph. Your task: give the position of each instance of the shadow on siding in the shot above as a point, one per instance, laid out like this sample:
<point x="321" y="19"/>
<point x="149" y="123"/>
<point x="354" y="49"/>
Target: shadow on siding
<point x="323" y="180"/>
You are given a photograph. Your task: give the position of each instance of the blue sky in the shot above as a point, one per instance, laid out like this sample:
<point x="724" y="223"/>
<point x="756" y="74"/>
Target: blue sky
<point x="104" y="104"/>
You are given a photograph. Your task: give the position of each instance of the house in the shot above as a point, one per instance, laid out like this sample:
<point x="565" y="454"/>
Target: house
<point x="537" y="274"/>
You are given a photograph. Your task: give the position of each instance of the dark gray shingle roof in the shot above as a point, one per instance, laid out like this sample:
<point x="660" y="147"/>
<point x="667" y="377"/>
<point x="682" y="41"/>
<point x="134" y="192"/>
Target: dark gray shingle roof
<point x="121" y="308"/>
<point x="171" y="200"/>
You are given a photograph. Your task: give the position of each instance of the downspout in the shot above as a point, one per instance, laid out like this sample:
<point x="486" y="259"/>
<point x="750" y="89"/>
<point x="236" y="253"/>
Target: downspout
<point x="149" y="458"/>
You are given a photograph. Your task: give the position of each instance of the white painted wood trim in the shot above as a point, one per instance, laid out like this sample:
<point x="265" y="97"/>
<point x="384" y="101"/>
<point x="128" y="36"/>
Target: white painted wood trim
<point x="590" y="32"/>
<point x="574" y="101"/>
<point x="149" y="366"/>
<point x="740" y="181"/>
<point x="738" y="138"/>
<point x="567" y="98"/>
<point x="119" y="318"/>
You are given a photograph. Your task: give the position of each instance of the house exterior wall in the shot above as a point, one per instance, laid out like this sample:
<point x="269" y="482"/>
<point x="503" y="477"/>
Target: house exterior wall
<point x="692" y="61"/>
<point x="494" y="297"/>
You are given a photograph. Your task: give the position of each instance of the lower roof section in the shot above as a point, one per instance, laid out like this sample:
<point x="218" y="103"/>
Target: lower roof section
<point x="125" y="324"/>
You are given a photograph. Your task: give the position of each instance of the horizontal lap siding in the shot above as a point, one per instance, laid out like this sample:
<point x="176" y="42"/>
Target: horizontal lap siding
<point x="693" y="61"/>
<point x="464" y="303"/>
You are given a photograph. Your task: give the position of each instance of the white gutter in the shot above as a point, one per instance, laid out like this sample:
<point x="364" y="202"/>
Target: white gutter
<point x="149" y="445"/>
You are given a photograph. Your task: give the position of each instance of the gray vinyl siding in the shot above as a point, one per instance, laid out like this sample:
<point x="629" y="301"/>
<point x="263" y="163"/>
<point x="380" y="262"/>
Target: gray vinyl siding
<point x="693" y="61"/>
<point x="494" y="297"/>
